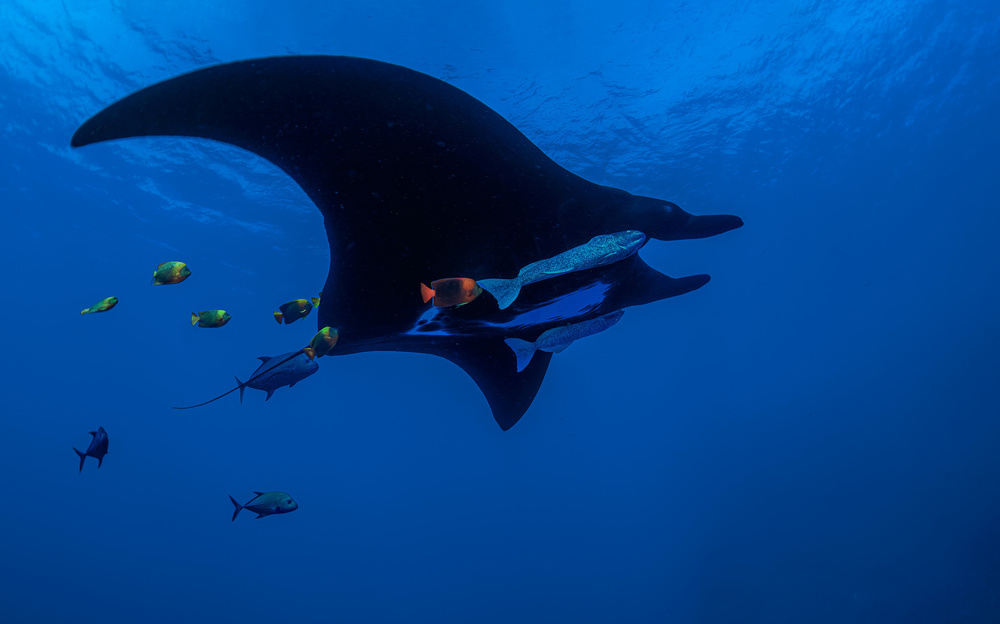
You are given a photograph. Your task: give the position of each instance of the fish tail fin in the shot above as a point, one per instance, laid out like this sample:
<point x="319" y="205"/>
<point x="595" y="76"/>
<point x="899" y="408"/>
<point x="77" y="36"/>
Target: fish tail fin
<point x="523" y="351"/>
<point x="315" y="302"/>
<point x="242" y="386"/>
<point x="194" y="318"/>
<point x="277" y="317"/>
<point x="426" y="293"/>
<point x="85" y="311"/>
<point x="83" y="456"/>
<point x="503" y="290"/>
<point x="238" y="507"/>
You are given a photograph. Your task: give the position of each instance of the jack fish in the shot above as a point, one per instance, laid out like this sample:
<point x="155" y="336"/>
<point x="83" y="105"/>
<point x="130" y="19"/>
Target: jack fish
<point x="266" y="504"/>
<point x="286" y="369"/>
<point x="98" y="447"/>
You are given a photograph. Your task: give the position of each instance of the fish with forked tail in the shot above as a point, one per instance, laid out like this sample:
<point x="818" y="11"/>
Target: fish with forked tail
<point x="267" y="504"/>
<point x="557" y="339"/>
<point x="98" y="447"/>
<point x="286" y="369"/>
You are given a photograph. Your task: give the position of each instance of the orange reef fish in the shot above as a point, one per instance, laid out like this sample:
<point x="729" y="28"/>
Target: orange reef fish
<point x="266" y="504"/>
<point x="293" y="311"/>
<point x="210" y="318"/>
<point x="172" y="272"/>
<point x="322" y="343"/>
<point x="451" y="291"/>
<point x="101" y="306"/>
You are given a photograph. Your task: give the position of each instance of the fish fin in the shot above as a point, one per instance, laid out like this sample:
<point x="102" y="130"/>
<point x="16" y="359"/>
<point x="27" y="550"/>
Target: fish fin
<point x="263" y="358"/>
<point x="310" y="353"/>
<point x="277" y="317"/>
<point x="100" y="460"/>
<point x="242" y="386"/>
<point x="269" y="393"/>
<point x="194" y="318"/>
<point x="83" y="456"/>
<point x="523" y="351"/>
<point x="259" y="516"/>
<point x="504" y="291"/>
<point x="561" y="347"/>
<point x="260" y="493"/>
<point x="488" y="361"/>
<point x="85" y="311"/>
<point x="238" y="507"/>
<point x="315" y="302"/>
<point x="426" y="293"/>
<point x="93" y="433"/>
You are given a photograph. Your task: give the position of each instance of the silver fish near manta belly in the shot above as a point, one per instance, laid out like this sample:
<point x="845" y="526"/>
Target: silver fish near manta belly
<point x="277" y="371"/>
<point x="599" y="251"/>
<point x="557" y="339"/>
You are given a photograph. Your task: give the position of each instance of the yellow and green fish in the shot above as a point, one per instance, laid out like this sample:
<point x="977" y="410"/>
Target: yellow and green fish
<point x="322" y="343"/>
<point x="101" y="306"/>
<point x="293" y="311"/>
<point x="173" y="272"/>
<point x="210" y="318"/>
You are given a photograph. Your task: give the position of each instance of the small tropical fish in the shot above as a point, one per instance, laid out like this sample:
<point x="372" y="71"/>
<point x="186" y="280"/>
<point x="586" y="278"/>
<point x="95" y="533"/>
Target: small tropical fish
<point x="98" y="447"/>
<point x="599" y="251"/>
<point x="101" y="306"/>
<point x="293" y="311"/>
<point x="172" y="272"/>
<point x="451" y="291"/>
<point x="267" y="504"/>
<point x="322" y="343"/>
<point x="210" y="318"/>
<point x="556" y="340"/>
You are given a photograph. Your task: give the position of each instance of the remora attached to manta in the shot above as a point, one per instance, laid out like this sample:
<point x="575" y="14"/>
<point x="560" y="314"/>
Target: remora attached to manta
<point x="417" y="180"/>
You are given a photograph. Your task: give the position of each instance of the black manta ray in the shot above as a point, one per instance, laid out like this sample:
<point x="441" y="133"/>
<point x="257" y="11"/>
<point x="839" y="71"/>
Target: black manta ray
<point x="417" y="181"/>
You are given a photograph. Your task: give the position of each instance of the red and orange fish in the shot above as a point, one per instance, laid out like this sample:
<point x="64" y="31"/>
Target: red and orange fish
<point x="451" y="291"/>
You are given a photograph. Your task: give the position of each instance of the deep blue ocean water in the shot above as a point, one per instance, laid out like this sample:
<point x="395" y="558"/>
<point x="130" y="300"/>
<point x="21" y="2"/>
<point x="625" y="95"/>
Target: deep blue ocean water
<point x="811" y="437"/>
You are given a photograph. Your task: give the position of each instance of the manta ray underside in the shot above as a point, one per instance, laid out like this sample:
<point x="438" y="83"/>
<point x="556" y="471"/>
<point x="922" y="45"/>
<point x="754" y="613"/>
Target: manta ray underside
<point x="417" y="181"/>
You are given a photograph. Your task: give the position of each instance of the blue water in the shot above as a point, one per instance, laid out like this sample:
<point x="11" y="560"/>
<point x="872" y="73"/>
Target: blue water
<point x="811" y="437"/>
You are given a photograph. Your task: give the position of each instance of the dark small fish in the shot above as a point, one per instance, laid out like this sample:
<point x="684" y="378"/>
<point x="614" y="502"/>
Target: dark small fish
<point x="293" y="311"/>
<point x="267" y="504"/>
<point x="210" y="318"/>
<point x="98" y="447"/>
<point x="451" y="291"/>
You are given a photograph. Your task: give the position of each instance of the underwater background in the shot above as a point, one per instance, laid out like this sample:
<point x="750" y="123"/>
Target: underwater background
<point x="811" y="437"/>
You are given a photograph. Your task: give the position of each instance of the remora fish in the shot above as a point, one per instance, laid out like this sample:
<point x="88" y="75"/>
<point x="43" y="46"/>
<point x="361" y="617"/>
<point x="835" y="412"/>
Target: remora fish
<point x="98" y="447"/>
<point x="599" y="251"/>
<point x="286" y="369"/>
<point x="266" y="504"/>
<point x="557" y="339"/>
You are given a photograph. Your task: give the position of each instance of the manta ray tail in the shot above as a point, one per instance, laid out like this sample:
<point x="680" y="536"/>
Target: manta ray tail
<point x="83" y="457"/>
<point x="505" y="291"/>
<point x="523" y="350"/>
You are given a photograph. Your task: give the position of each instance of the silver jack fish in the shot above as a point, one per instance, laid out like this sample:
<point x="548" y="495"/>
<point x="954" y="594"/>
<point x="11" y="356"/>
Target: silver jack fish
<point x="601" y="250"/>
<point x="557" y="339"/>
<point x="267" y="504"/>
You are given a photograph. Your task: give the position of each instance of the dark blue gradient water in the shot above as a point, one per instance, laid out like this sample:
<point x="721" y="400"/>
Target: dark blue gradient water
<point x="811" y="437"/>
